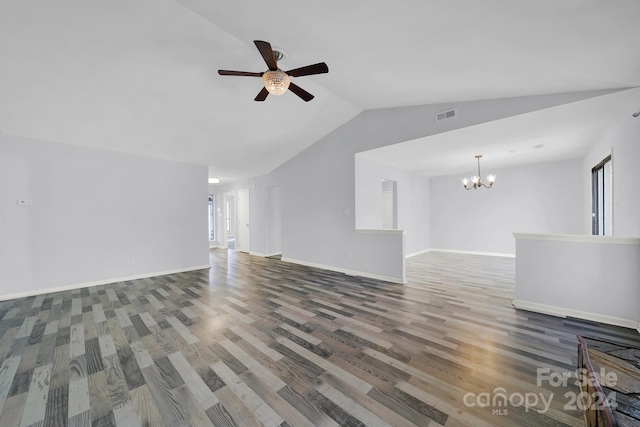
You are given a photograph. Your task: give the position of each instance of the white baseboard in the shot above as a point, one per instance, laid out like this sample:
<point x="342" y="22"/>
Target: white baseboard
<point x="346" y="271"/>
<point x="453" y="251"/>
<point x="260" y="254"/>
<point x="100" y="282"/>
<point x="424" y="251"/>
<point x="567" y="312"/>
<point x="273" y="254"/>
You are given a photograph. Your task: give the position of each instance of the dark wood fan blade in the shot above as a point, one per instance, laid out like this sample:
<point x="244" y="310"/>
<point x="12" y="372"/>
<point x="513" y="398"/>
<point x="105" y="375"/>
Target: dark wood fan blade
<point x="306" y="96"/>
<point x="262" y="95"/>
<point x="239" y="73"/>
<point x="319" y="68"/>
<point x="267" y="54"/>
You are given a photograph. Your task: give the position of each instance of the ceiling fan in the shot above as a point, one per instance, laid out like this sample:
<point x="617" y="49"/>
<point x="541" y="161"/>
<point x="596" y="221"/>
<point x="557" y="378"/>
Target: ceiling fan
<point x="275" y="80"/>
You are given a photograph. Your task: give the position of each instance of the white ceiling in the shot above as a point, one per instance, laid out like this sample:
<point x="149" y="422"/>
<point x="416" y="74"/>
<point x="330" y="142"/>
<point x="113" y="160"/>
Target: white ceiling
<point x="139" y="76"/>
<point x="560" y="133"/>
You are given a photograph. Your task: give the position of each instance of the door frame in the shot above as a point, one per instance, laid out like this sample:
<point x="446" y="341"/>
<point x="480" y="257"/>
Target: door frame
<point x="242" y="228"/>
<point x="601" y="184"/>
<point x="225" y="200"/>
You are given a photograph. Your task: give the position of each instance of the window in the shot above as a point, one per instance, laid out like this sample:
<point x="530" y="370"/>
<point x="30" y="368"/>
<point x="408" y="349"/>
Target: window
<point x="601" y="198"/>
<point x="212" y="217"/>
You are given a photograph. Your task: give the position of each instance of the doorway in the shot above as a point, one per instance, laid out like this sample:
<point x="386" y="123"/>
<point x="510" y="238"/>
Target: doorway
<point x="230" y="220"/>
<point x="388" y="207"/>
<point x="601" y="198"/>
<point x="243" y="238"/>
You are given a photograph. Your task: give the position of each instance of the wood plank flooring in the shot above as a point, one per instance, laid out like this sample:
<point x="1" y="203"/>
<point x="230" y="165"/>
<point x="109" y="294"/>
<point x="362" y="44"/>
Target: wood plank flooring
<point x="260" y="342"/>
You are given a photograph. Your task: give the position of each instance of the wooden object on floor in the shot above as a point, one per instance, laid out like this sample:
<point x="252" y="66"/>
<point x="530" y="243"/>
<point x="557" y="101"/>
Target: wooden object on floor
<point x="610" y="382"/>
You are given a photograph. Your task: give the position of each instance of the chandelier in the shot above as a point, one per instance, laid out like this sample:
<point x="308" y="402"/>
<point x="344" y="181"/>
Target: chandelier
<point x="276" y="81"/>
<point x="476" y="180"/>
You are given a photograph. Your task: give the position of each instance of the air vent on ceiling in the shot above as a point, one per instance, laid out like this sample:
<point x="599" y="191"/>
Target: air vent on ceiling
<point x="445" y="115"/>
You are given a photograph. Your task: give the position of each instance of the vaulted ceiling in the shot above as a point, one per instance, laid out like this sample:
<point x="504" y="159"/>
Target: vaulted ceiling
<point x="139" y="76"/>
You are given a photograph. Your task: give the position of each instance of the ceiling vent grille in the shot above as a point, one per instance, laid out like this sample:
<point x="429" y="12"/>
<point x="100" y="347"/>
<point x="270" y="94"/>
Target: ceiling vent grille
<point x="446" y="115"/>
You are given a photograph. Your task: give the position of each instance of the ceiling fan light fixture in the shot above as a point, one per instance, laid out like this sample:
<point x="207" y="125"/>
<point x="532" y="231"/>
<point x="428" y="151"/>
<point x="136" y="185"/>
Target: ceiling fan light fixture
<point x="276" y="81"/>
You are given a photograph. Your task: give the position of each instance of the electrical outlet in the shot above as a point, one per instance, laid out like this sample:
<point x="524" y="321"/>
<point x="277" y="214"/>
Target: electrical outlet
<point x="131" y="261"/>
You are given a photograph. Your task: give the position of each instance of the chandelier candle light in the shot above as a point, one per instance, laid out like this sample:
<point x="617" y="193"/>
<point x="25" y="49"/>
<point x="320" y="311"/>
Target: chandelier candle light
<point x="476" y="180"/>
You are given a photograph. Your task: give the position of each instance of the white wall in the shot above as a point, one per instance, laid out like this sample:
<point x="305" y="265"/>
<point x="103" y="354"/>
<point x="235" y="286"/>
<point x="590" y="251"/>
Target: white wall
<point x="318" y="191"/>
<point x="412" y="195"/>
<point x="622" y="141"/>
<point x="92" y="211"/>
<point x="589" y="277"/>
<point x="544" y="198"/>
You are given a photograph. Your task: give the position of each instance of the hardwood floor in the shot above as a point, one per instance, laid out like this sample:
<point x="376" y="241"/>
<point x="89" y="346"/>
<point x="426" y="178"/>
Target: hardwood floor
<point x="257" y="341"/>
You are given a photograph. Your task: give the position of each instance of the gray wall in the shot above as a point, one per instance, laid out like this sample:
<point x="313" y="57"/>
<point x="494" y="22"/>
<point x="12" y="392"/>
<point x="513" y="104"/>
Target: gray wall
<point x="622" y="140"/>
<point x="412" y="200"/>
<point x="590" y="277"/>
<point x="544" y="198"/>
<point x="274" y="220"/>
<point x="318" y="185"/>
<point x="92" y="211"/>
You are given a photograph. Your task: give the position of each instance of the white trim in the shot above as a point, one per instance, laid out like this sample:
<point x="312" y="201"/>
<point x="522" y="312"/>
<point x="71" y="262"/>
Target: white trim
<point x="424" y="251"/>
<point x="580" y="238"/>
<point x="454" y="251"/>
<point x="345" y="271"/>
<point x="567" y="312"/>
<point x="379" y="231"/>
<point x="100" y="282"/>
<point x="225" y="234"/>
<point x="273" y="254"/>
<point x="260" y="254"/>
